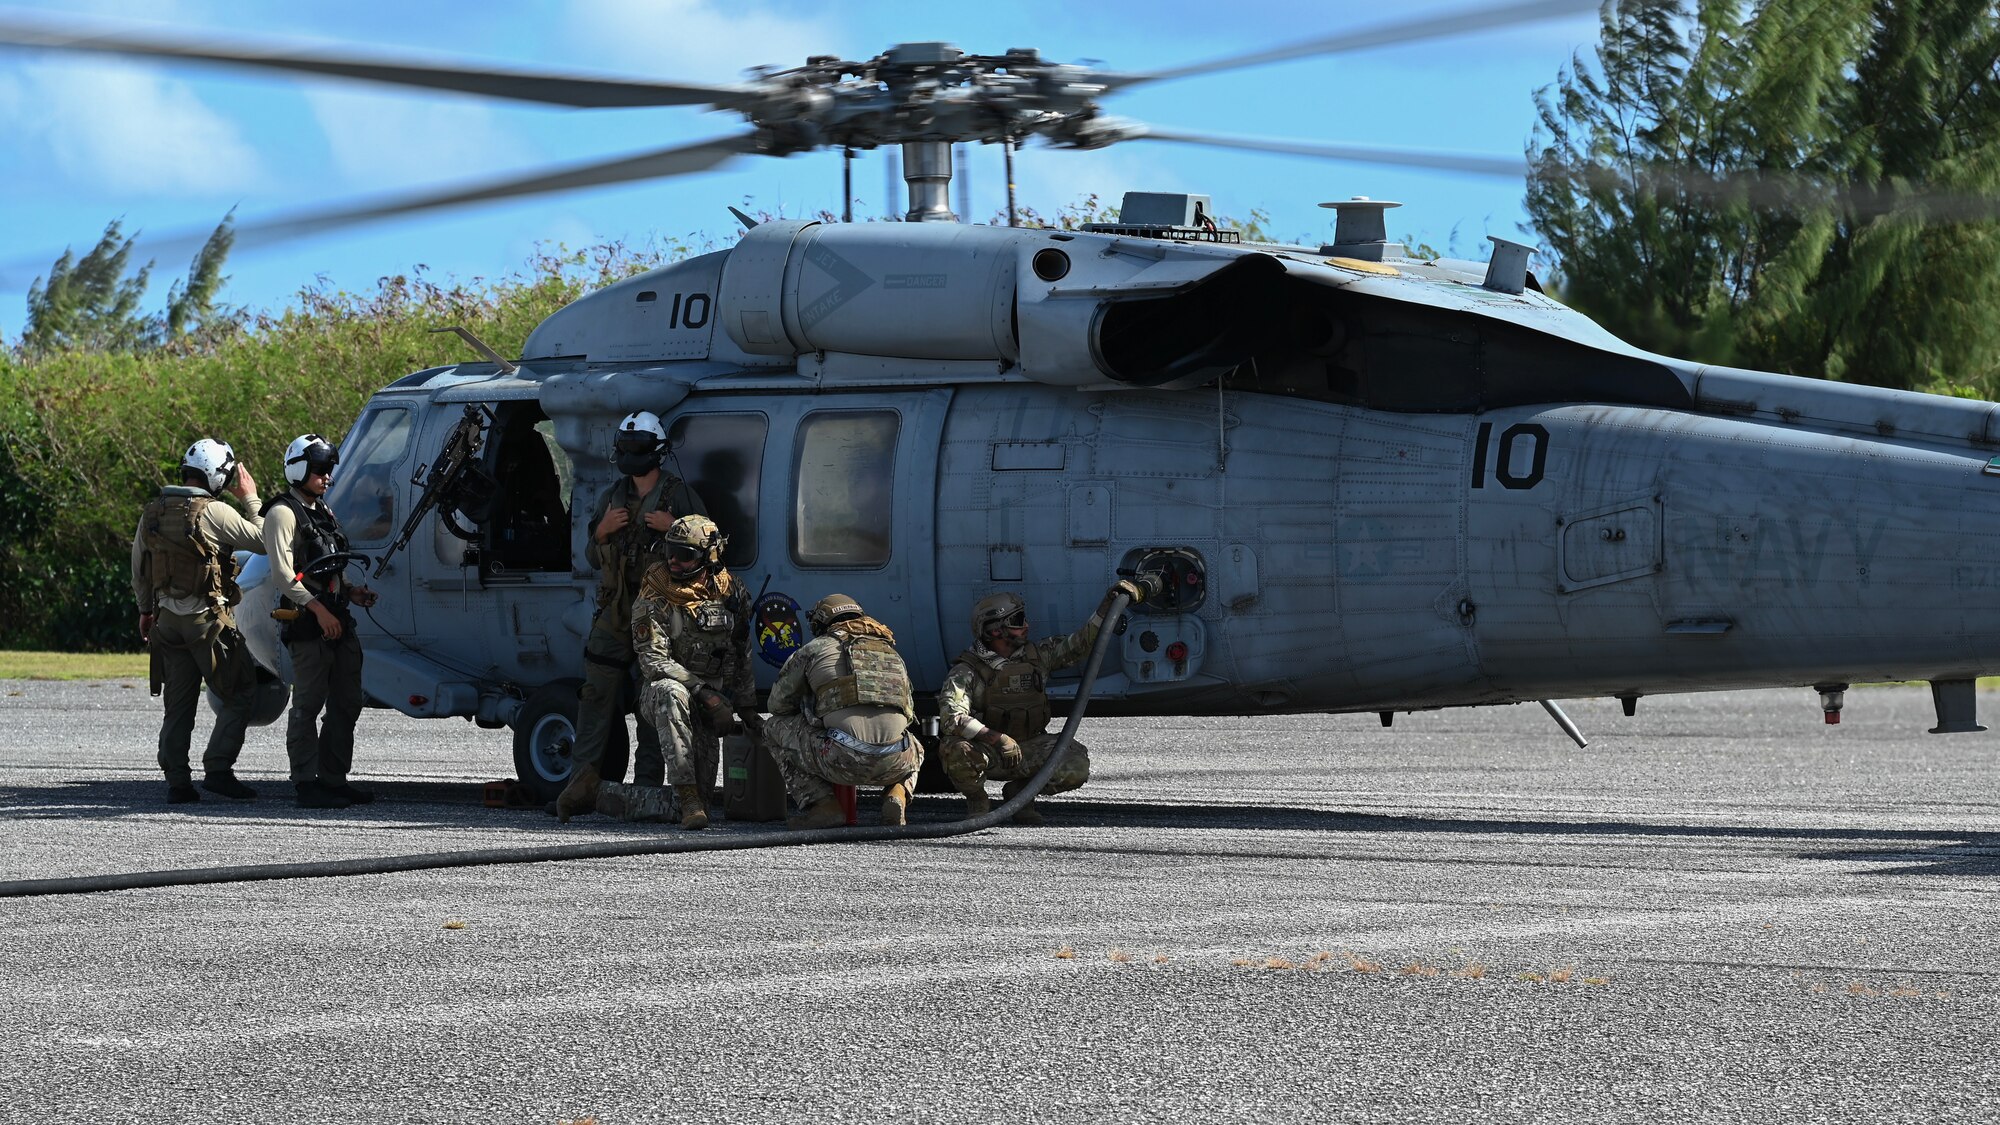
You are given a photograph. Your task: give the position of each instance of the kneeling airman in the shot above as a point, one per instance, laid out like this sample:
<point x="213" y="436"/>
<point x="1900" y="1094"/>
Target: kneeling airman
<point x="994" y="706"/>
<point x="841" y="714"/>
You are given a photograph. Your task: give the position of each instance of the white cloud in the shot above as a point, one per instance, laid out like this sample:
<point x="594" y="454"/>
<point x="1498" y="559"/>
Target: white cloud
<point x="129" y="129"/>
<point x="380" y="139"/>
<point x="694" y="40"/>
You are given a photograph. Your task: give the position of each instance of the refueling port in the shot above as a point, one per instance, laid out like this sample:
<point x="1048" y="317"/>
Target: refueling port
<point x="1183" y="578"/>
<point x="1831" y="698"/>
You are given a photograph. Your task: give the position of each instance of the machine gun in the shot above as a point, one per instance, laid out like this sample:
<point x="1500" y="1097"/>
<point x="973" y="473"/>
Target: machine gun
<point x="454" y="481"/>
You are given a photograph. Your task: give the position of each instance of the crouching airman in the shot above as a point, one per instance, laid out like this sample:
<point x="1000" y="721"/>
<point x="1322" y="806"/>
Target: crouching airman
<point x="994" y="706"/>
<point x="841" y="714"/>
<point x="690" y="631"/>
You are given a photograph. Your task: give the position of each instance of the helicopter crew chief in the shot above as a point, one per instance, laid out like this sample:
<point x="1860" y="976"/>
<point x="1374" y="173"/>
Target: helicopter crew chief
<point x="184" y="578"/>
<point x="299" y="531"/>
<point x="994" y="706"/>
<point x="841" y="714"/>
<point x="690" y="629"/>
<point x="625" y="527"/>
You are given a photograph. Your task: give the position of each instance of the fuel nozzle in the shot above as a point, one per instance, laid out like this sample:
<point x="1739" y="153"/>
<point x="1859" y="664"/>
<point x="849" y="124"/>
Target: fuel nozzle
<point x="1831" y="698"/>
<point x="1150" y="584"/>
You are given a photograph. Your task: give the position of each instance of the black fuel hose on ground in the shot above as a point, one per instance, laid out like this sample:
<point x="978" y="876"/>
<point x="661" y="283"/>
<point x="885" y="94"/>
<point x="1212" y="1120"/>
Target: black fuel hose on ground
<point x="679" y="842"/>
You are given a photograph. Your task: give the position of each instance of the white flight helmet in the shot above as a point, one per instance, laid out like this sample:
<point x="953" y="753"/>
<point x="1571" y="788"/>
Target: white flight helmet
<point x="214" y="460"/>
<point x="639" y="443"/>
<point x="310" y="452"/>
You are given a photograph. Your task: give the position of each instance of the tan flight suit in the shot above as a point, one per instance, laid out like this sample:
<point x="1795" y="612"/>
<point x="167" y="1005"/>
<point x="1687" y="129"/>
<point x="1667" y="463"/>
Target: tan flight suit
<point x="1010" y="694"/>
<point x="841" y="714"/>
<point x="608" y="658"/>
<point x="690" y="635"/>
<point x="183" y="574"/>
<point x="325" y="674"/>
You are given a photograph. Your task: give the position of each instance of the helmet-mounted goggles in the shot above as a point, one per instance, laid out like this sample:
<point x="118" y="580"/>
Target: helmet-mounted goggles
<point x="1015" y="620"/>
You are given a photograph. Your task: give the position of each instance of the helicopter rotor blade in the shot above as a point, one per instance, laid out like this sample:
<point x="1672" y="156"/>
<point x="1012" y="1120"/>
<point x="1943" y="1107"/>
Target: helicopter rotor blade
<point x="660" y="164"/>
<point x="1409" y="31"/>
<point x="580" y="91"/>
<point x="1478" y="165"/>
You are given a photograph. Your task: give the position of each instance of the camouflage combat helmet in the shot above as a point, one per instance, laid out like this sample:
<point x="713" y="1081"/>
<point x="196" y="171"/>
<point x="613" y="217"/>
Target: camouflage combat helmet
<point x="832" y="608"/>
<point x="995" y="609"/>
<point x="694" y="539"/>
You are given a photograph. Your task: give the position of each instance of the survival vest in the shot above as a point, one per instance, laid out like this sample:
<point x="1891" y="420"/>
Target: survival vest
<point x="629" y="550"/>
<point x="179" y="561"/>
<point x="318" y="535"/>
<point x="1014" y="699"/>
<point x="870" y="672"/>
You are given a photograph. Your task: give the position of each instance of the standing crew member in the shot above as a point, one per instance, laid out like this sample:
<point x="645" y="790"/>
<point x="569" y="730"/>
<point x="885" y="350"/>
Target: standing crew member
<point x="841" y="715"/>
<point x="625" y="524"/>
<point x="994" y="706"/>
<point x="690" y="628"/>
<point x="299" y="531"/>
<point x="184" y="577"/>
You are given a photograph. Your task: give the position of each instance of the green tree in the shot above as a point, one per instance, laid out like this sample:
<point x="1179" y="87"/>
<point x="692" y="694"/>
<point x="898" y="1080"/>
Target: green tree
<point x="1749" y="182"/>
<point x="192" y="307"/>
<point x="89" y="304"/>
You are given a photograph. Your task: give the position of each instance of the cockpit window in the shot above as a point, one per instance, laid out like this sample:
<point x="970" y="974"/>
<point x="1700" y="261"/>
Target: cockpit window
<point x="372" y="457"/>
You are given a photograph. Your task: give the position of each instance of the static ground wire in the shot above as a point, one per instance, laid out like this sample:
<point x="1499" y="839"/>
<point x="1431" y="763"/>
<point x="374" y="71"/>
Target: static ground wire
<point x="670" y="845"/>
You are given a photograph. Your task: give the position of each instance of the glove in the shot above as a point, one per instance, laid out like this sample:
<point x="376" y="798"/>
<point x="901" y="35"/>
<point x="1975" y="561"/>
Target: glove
<point x="714" y="708"/>
<point x="146" y="626"/>
<point x="1006" y="751"/>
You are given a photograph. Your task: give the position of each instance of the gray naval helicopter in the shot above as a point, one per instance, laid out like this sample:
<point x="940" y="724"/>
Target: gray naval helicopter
<point x="1369" y="483"/>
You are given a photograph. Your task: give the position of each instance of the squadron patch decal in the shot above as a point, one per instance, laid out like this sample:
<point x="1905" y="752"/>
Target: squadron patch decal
<point x="779" y="632"/>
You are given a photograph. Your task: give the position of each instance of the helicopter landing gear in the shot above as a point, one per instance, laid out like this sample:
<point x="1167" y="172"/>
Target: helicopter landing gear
<point x="545" y="740"/>
<point x="545" y="737"/>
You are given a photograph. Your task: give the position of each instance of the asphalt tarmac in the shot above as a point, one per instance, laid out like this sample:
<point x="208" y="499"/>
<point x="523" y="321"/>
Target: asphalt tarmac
<point x="1722" y="910"/>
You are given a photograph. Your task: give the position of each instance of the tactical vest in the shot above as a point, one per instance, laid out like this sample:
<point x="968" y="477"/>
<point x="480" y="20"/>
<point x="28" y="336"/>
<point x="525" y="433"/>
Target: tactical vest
<point x="1015" y="699"/>
<point x="179" y="562"/>
<point x="870" y="673"/>
<point x="317" y="535"/>
<point x="705" y="635"/>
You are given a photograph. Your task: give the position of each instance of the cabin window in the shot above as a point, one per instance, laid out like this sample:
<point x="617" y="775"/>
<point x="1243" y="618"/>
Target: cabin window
<point x="843" y="473"/>
<point x="363" y="495"/>
<point x="721" y="456"/>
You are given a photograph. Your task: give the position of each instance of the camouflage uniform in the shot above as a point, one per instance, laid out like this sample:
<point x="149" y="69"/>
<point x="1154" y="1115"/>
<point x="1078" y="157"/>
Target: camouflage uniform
<point x="841" y="713"/>
<point x="183" y="575"/>
<point x="607" y="653"/>
<point x="687" y="636"/>
<point x="1009" y="694"/>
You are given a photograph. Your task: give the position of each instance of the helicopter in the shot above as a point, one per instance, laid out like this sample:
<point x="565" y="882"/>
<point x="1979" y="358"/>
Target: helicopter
<point x="1367" y="482"/>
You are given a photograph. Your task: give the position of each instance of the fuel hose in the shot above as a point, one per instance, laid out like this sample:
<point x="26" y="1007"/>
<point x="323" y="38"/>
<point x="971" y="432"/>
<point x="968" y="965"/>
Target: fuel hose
<point x="670" y="845"/>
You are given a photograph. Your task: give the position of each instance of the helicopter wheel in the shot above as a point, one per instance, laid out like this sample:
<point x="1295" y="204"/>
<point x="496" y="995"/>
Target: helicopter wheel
<point x="545" y="739"/>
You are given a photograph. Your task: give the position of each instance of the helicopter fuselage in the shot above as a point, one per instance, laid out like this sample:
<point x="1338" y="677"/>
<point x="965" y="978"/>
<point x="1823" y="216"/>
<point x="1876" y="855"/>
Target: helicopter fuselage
<point x="1369" y="501"/>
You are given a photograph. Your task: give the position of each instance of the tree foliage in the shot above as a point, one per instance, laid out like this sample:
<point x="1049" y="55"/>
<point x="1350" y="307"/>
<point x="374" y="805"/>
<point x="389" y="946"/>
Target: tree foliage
<point x="1813" y="97"/>
<point x="90" y="304"/>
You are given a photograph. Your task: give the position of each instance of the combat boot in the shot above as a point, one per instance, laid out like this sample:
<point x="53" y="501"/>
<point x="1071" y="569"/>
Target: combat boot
<point x="895" y="804"/>
<point x="977" y="803"/>
<point x="225" y="784"/>
<point x="694" y="808"/>
<point x="182" y="794"/>
<point x="580" y="795"/>
<point x="1027" y="815"/>
<point x="823" y="813"/>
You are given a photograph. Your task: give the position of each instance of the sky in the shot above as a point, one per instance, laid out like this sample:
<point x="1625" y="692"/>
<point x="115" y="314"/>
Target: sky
<point x="169" y="147"/>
